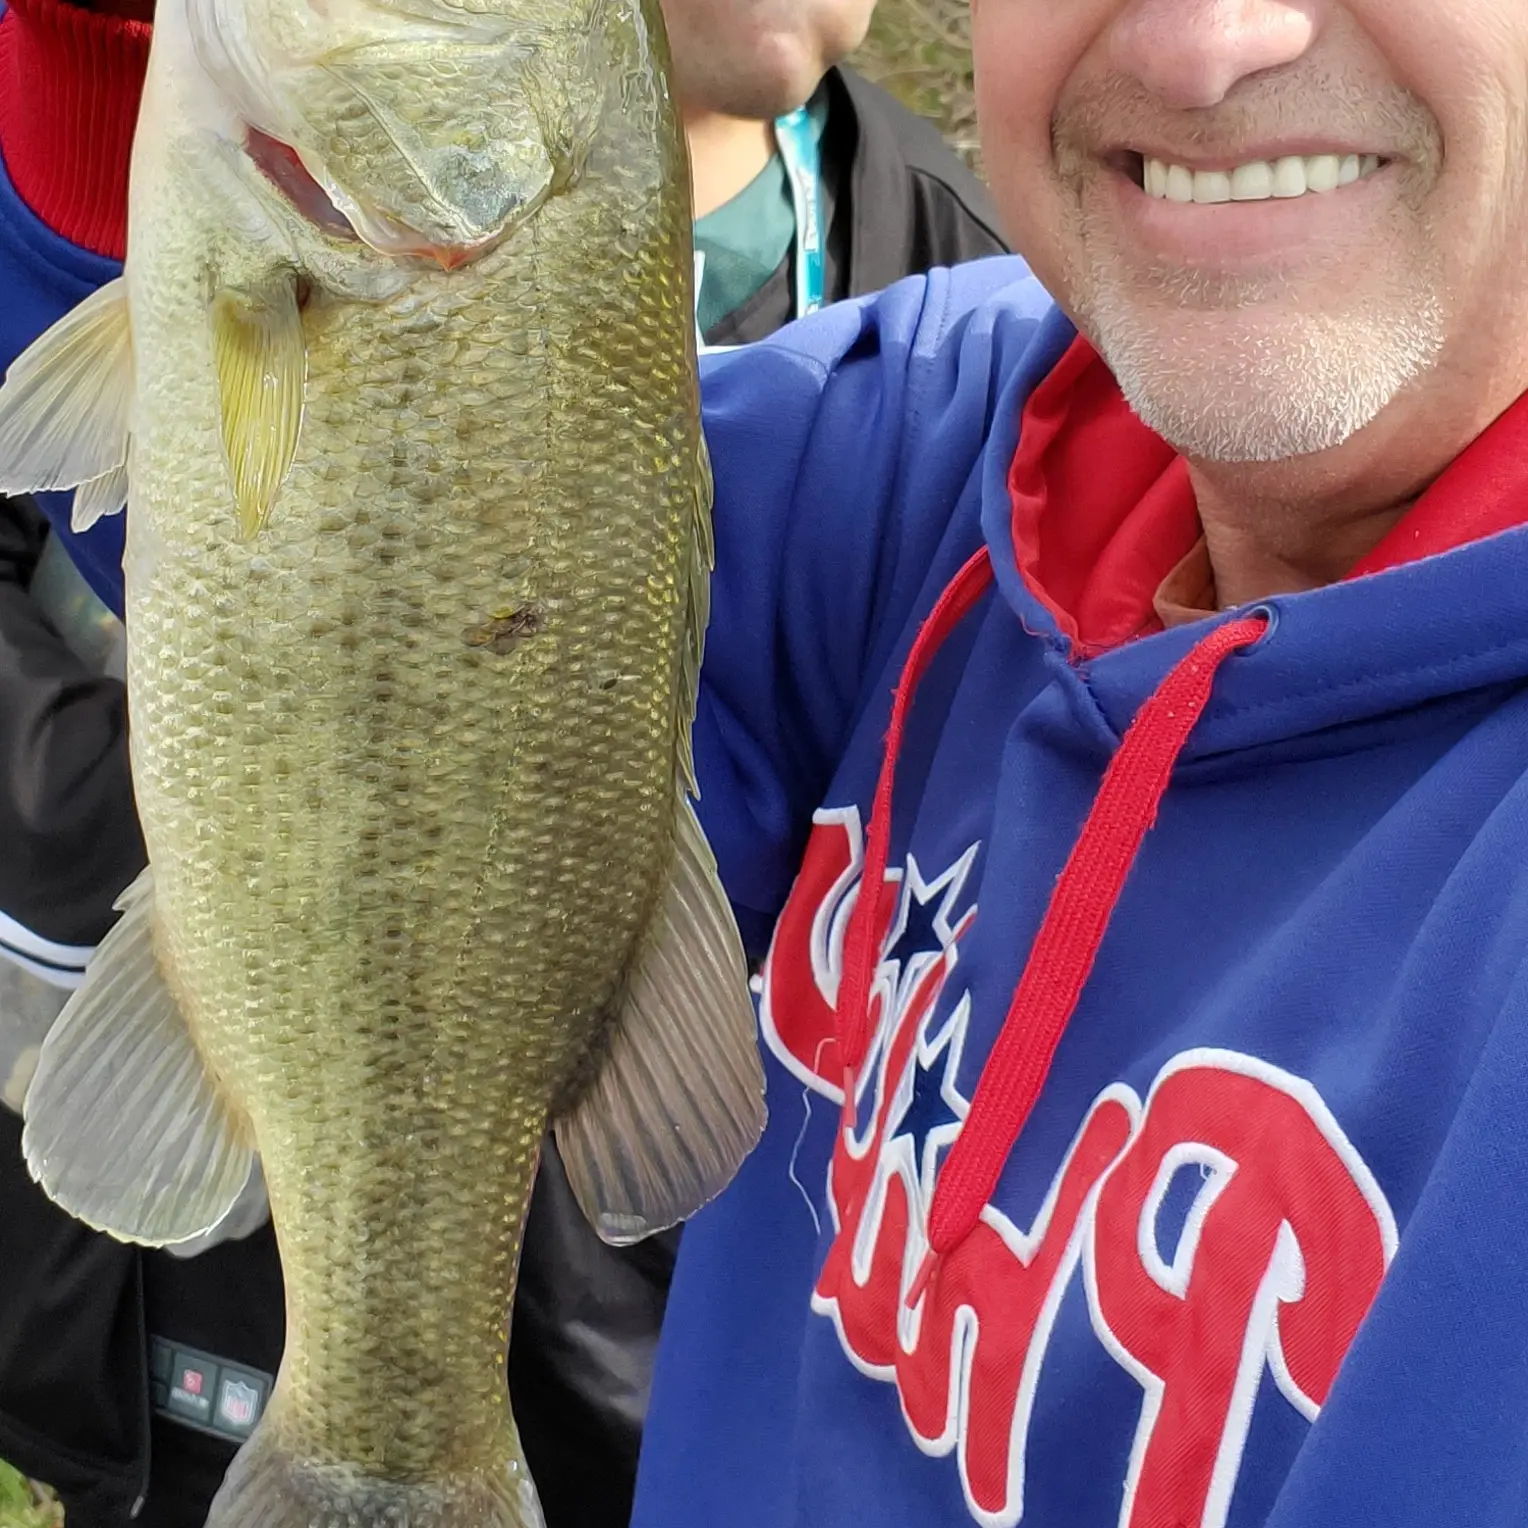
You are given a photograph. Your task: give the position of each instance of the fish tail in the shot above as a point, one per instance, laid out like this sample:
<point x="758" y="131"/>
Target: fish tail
<point x="268" y="1486"/>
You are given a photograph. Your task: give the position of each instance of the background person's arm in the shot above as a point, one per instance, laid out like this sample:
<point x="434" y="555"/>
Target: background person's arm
<point x="67" y="822"/>
<point x="69" y="840"/>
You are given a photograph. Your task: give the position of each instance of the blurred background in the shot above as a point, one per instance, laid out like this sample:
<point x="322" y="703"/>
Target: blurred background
<point x="920" y="50"/>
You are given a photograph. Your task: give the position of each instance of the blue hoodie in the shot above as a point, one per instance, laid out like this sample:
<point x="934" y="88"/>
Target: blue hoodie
<point x="1235" y="1237"/>
<point x="43" y="276"/>
<point x="1255" y="1256"/>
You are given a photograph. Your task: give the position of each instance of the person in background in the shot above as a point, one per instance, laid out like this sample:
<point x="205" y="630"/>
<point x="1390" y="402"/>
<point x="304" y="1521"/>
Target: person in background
<point x="128" y="1378"/>
<point x="784" y="137"/>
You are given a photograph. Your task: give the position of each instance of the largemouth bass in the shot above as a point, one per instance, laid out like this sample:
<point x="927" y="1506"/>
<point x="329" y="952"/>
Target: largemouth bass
<point x="400" y="382"/>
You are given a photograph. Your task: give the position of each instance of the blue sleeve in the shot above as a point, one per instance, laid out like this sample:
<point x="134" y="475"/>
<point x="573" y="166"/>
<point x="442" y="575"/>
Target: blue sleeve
<point x="42" y="277"/>
<point x="840" y="448"/>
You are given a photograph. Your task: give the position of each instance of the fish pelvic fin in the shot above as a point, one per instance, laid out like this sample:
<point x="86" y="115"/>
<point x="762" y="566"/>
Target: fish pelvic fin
<point x="67" y="400"/>
<point x="270" y="1485"/>
<point x="262" y="363"/>
<point x="679" y="1101"/>
<point x="124" y="1127"/>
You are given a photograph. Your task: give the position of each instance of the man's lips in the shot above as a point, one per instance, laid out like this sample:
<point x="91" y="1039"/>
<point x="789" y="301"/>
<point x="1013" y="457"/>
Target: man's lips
<point x="1198" y="157"/>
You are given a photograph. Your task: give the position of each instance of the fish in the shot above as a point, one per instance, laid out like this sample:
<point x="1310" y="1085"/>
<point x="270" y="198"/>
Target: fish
<point x="400" y="382"/>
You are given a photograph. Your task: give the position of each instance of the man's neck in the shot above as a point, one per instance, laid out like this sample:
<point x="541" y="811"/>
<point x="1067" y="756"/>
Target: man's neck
<point x="1271" y="552"/>
<point x="725" y="154"/>
<point x="1282" y="527"/>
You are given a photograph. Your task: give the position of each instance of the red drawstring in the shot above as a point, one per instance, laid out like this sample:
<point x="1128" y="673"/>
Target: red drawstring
<point x="1073" y="927"/>
<point x="861" y="957"/>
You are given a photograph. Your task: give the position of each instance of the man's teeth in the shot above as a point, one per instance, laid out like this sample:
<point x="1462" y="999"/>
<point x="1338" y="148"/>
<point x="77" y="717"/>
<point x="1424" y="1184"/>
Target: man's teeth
<point x="1262" y="181"/>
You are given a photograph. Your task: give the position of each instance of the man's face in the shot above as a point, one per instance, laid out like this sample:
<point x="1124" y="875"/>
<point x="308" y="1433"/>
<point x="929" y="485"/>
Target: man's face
<point x="758" y="58"/>
<point x="1273" y="217"/>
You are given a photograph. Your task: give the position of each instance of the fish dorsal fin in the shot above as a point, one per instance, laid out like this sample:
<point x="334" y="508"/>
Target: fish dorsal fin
<point x="679" y="1101"/>
<point x="67" y="399"/>
<point x="262" y="362"/>
<point x="124" y="1127"/>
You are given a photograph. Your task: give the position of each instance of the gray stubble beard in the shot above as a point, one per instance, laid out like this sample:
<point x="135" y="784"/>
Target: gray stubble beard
<point x="1311" y="382"/>
<point x="1308" y="388"/>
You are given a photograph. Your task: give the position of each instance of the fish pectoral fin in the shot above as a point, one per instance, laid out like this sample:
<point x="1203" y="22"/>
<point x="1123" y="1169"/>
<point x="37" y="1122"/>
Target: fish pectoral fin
<point x="67" y="398"/>
<point x="679" y="1101"/>
<point x="262" y="364"/>
<point x="124" y="1127"/>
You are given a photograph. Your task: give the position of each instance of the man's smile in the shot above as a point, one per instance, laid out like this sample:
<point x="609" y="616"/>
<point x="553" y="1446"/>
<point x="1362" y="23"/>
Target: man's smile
<point x="1257" y="180"/>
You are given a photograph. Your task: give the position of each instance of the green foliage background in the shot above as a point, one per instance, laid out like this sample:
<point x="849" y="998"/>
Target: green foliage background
<point x="23" y="1505"/>
<point x="920" y="50"/>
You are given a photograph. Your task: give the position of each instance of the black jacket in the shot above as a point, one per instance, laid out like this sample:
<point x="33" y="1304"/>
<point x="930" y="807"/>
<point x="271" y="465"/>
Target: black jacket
<point x="76" y="1309"/>
<point x="69" y="840"/>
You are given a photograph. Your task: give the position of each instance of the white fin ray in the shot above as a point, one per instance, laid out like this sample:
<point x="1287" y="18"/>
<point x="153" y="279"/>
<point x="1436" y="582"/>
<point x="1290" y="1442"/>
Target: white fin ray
<point x="66" y="402"/>
<point x="104" y="495"/>
<point x="124" y="1127"/>
<point x="679" y="1101"/>
<point x="249" y="1212"/>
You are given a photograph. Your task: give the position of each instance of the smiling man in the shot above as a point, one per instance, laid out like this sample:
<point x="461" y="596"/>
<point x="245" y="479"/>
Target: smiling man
<point x="1114" y="731"/>
<point x="1148" y="1017"/>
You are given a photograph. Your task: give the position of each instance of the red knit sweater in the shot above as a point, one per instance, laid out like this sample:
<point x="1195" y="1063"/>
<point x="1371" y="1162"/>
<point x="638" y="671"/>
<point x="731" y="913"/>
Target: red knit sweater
<point x="70" y="81"/>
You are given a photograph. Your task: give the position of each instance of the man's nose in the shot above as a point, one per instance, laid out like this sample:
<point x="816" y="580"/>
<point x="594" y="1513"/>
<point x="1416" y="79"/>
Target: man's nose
<point x="1192" y="53"/>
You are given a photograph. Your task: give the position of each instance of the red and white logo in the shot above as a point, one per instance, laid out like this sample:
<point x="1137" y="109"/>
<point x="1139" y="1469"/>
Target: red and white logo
<point x="1281" y="1253"/>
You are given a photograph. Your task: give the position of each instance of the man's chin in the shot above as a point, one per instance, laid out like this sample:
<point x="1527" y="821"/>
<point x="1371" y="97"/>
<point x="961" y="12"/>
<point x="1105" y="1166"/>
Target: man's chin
<point x="1245" y="387"/>
<point x="1237" y="417"/>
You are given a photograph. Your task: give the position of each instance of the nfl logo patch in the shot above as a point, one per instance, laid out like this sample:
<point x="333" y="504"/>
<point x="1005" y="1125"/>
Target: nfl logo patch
<point x="239" y="1404"/>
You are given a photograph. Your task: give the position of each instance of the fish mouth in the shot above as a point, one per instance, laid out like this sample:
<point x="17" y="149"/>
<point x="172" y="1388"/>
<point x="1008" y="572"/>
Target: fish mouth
<point x="282" y="166"/>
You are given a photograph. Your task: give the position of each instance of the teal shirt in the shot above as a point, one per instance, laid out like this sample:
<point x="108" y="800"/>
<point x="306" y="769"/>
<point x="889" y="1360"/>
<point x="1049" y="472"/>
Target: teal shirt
<point x="745" y="239"/>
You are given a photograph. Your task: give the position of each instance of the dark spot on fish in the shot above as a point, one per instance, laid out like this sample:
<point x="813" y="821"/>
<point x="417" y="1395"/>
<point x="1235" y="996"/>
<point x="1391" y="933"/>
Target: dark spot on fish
<point x="505" y="629"/>
<point x="609" y="684"/>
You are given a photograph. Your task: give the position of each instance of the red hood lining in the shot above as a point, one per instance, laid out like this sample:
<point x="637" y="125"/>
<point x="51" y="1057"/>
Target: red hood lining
<point x="1124" y="513"/>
